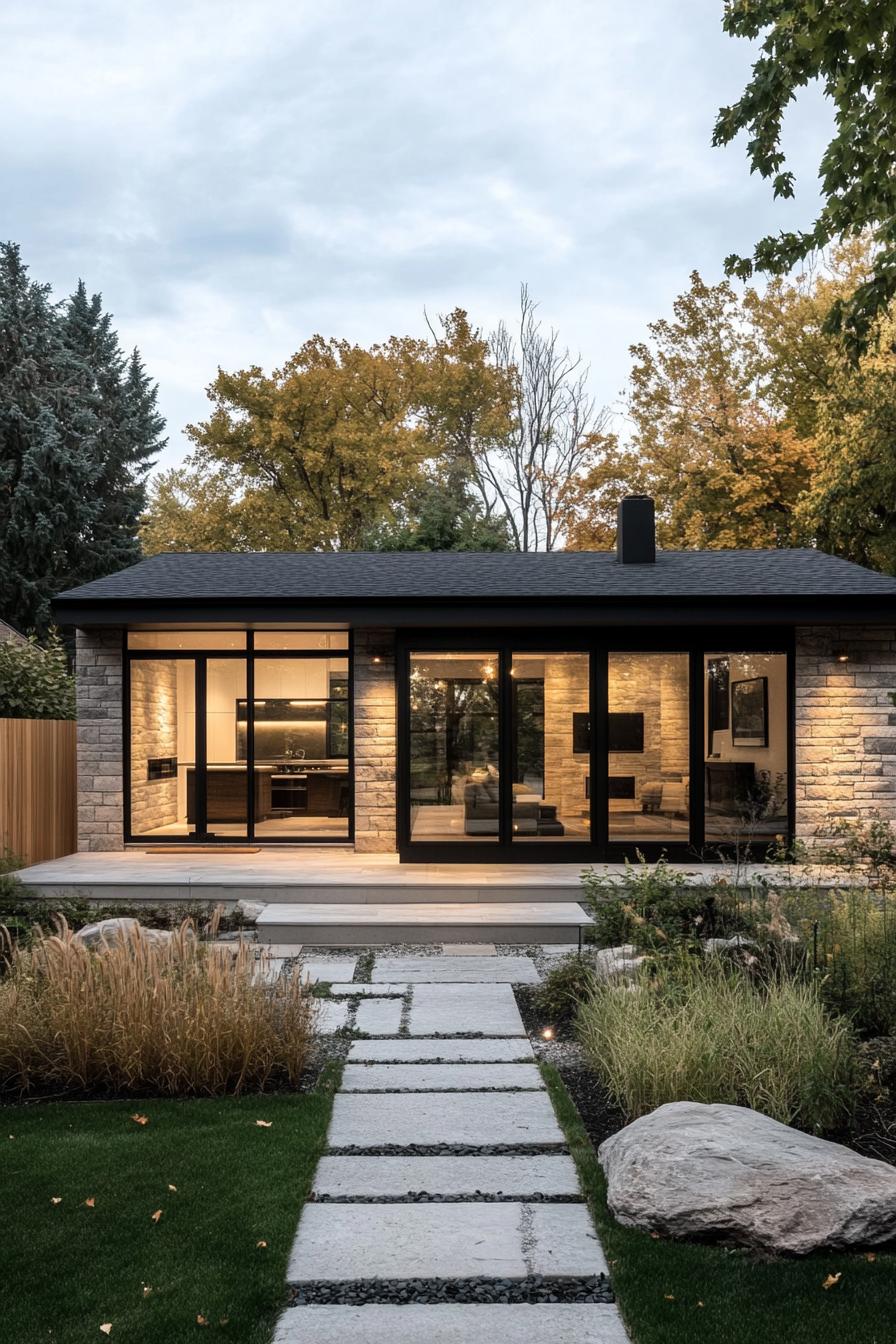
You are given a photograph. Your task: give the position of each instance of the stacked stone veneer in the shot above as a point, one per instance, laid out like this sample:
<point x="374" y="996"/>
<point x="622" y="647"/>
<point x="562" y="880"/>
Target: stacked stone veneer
<point x="153" y="734"/>
<point x="100" y="794"/>
<point x="656" y="685"/>
<point x="566" y="692"/>
<point x="375" y="732"/>
<point x="845" y="768"/>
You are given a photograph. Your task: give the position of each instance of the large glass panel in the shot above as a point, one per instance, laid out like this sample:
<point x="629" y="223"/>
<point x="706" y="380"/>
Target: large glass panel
<point x="186" y="639"/>
<point x="163" y="745"/>
<point x="302" y="779"/>
<point x="454" y="746"/>
<point x="301" y="639"/>
<point x="746" y="765"/>
<point x="550" y="746"/>
<point x="227" y="800"/>
<point x="648" y="736"/>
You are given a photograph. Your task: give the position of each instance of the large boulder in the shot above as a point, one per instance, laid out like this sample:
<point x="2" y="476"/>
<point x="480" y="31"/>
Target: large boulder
<point x="725" y="1172"/>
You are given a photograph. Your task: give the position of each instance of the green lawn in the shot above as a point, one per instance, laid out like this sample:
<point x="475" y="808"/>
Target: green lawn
<point x="679" y="1293"/>
<point x="67" y="1268"/>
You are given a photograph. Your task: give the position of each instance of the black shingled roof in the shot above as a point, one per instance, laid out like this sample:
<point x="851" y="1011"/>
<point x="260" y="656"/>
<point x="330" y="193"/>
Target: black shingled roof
<point x="360" y="576"/>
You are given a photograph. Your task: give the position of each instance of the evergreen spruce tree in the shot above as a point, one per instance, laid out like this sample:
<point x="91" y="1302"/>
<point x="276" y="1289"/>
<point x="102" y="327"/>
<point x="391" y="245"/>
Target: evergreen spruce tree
<point x="128" y="434"/>
<point x="79" y="430"/>
<point x="48" y="463"/>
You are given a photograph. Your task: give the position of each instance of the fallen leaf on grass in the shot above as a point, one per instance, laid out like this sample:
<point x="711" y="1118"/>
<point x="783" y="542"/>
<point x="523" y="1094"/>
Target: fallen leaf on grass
<point x="224" y="1320"/>
<point x="140" y="1119"/>
<point x="147" y="1289"/>
<point x="106" y="1327"/>
<point x="870" y="1257"/>
<point x="670" y="1297"/>
<point x="157" y="1215"/>
<point x="832" y="1280"/>
<point x="262" y="1245"/>
<point x="55" y="1199"/>
<point x="200" y="1319"/>
<point x="91" y="1202"/>
<point x="654" y="1236"/>
<point x="173" y="1187"/>
<point x="264" y="1124"/>
<point x="699" y="1304"/>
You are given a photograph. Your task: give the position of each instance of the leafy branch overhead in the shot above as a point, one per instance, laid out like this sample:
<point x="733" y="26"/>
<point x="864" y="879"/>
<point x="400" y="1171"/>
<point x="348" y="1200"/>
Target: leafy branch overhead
<point x="848" y="47"/>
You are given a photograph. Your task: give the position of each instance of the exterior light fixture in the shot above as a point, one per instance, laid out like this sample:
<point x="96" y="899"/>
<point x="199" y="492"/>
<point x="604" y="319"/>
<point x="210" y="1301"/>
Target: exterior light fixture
<point x="547" y="1033"/>
<point x="842" y="655"/>
<point x="376" y="659"/>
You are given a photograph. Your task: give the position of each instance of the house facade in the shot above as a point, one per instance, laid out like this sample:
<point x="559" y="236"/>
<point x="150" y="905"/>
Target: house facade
<point x="575" y="707"/>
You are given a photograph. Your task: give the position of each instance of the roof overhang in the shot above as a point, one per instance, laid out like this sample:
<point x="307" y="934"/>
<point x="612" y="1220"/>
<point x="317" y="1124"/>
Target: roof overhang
<point x="468" y="612"/>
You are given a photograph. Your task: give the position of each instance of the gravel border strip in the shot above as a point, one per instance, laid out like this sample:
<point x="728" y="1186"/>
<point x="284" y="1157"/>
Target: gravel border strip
<point x="534" y="1289"/>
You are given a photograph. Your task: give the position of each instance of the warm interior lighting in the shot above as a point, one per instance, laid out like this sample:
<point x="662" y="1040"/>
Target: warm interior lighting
<point x="488" y="672"/>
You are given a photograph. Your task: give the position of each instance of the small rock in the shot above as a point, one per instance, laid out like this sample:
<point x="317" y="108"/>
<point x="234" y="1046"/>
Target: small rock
<point x="119" y="930"/>
<point x="251" y="909"/>
<point x="617" y="963"/>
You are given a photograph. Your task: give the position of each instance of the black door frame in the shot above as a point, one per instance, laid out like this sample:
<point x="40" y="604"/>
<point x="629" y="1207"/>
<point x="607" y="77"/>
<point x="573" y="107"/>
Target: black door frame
<point x="695" y="642"/>
<point x="200" y="657"/>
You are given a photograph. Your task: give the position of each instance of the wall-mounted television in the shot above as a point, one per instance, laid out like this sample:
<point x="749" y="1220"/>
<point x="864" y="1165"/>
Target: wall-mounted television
<point x="625" y="732"/>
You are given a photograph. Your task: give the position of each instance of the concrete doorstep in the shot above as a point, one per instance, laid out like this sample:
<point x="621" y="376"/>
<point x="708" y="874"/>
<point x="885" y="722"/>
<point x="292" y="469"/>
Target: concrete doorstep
<point x="444" y="1324"/>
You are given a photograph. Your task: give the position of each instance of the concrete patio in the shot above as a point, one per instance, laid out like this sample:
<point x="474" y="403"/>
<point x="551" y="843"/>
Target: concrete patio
<point x="336" y="874"/>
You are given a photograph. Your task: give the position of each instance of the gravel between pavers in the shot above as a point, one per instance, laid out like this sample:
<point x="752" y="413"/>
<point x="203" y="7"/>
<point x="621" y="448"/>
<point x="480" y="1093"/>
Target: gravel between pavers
<point x="449" y="1149"/>
<point x="424" y="1197"/>
<point x="536" y="1288"/>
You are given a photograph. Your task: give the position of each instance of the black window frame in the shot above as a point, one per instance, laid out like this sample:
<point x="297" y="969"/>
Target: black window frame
<point x="695" y="642"/>
<point x="250" y="656"/>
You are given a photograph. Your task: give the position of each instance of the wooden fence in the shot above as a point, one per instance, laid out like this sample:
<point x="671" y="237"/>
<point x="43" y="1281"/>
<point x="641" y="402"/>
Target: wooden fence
<point x="38" y="805"/>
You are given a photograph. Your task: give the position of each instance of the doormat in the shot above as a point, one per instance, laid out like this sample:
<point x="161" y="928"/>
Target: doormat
<point x="202" y="849"/>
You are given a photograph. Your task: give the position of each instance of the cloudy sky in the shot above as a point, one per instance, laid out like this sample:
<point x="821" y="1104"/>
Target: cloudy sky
<point x="234" y="178"/>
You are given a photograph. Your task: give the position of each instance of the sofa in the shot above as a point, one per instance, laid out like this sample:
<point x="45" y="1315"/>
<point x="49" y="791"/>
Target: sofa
<point x="531" y="816"/>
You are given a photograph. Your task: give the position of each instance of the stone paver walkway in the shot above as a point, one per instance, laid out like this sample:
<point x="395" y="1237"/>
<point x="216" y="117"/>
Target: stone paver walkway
<point x="445" y="1165"/>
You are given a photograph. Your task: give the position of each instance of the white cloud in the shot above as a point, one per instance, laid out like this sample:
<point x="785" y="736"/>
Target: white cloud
<point x="236" y="177"/>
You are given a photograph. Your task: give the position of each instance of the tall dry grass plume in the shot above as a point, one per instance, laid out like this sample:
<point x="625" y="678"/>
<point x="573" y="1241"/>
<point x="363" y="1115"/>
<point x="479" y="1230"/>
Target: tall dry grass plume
<point x="173" y="1017"/>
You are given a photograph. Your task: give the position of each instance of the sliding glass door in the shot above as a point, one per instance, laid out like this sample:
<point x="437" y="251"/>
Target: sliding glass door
<point x="225" y="746"/>
<point x="511" y="749"/>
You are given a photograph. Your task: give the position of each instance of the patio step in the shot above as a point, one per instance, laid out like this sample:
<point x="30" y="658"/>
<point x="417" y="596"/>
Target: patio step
<point x="343" y="924"/>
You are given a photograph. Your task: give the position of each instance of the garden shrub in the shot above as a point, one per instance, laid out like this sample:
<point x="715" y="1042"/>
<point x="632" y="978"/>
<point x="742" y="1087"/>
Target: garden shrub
<point x="697" y="1030"/>
<point x="562" y="990"/>
<point x="177" y="1018"/>
<point x="857" y="958"/>
<point x="656" y="908"/>
<point x="35" y="681"/>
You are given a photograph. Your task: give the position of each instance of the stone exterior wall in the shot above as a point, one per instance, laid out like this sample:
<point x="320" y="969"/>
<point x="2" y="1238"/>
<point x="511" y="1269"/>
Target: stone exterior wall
<point x="845" y="766"/>
<point x="375" y="736"/>
<point x="153" y="734"/>
<point x="100" y="755"/>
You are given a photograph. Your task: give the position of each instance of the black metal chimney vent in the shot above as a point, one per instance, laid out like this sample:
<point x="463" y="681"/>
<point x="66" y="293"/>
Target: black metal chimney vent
<point x="636" y="531"/>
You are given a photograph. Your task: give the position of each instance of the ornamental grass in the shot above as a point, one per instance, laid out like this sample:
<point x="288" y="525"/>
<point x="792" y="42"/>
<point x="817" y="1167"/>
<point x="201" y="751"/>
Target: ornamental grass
<point x="170" y="1017"/>
<point x="696" y="1030"/>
